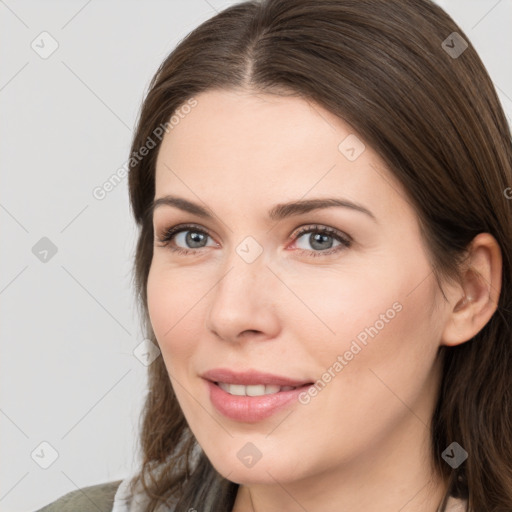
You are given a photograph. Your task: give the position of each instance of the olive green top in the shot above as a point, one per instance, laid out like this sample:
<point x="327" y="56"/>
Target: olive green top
<point x="100" y="498"/>
<point x="95" y="498"/>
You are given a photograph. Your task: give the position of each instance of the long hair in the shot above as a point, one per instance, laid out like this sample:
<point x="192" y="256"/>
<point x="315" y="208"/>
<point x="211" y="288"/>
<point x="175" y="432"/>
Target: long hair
<point x="393" y="70"/>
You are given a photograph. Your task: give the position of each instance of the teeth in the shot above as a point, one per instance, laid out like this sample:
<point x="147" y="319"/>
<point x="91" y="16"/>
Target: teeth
<point x="253" y="390"/>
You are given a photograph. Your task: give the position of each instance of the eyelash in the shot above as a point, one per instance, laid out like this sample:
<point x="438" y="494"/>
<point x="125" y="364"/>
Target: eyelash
<point x="345" y="241"/>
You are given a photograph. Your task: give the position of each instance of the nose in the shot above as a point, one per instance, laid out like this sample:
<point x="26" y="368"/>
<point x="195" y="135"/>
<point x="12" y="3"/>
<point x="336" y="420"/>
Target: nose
<point x="243" y="304"/>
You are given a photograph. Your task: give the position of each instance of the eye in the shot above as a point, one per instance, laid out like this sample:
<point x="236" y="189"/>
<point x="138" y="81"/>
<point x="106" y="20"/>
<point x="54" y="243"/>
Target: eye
<point x="321" y="240"/>
<point x="189" y="235"/>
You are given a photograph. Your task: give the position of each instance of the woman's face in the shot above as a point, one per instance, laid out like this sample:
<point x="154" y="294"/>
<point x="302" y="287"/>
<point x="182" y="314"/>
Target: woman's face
<point x="350" y="309"/>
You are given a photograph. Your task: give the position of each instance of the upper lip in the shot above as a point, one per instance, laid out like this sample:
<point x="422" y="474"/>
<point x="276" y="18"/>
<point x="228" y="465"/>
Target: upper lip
<point x="250" y="377"/>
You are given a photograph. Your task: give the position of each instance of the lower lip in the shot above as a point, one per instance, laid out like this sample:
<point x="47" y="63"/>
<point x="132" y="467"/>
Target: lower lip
<point x="251" y="409"/>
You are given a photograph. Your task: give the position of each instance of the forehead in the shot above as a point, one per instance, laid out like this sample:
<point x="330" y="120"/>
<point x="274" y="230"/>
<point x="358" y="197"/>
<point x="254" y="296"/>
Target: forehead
<point x="259" y="147"/>
<point x="239" y="125"/>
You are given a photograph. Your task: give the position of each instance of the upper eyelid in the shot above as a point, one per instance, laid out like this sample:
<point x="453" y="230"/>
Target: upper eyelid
<point x="298" y="231"/>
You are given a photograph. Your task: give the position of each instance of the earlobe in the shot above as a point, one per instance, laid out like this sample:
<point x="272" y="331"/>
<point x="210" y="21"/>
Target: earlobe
<point x="476" y="300"/>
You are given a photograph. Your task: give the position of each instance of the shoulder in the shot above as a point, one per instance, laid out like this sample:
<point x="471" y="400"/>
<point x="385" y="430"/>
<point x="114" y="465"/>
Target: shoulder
<point x="95" y="498"/>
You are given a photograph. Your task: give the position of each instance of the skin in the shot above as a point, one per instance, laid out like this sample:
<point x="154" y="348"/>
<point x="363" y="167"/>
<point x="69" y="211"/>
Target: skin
<point x="361" y="444"/>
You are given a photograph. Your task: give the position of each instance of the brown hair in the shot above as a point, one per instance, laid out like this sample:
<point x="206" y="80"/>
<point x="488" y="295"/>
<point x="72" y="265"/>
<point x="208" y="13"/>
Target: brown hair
<point x="436" y="121"/>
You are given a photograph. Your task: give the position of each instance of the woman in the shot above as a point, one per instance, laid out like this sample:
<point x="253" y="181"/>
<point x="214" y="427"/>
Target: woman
<point x="324" y="263"/>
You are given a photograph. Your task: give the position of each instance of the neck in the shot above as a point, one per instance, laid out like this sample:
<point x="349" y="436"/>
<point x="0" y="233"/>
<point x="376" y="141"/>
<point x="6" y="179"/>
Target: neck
<point x="424" y="496"/>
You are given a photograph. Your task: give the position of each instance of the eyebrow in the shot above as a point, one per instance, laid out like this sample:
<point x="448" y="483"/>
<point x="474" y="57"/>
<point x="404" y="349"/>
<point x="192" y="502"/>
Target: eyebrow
<point x="277" y="212"/>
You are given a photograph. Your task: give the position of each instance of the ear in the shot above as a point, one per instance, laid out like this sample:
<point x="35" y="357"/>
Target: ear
<point x="474" y="301"/>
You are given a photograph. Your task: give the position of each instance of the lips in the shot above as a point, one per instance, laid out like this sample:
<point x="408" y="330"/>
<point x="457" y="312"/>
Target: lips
<point x="251" y="409"/>
<point x="251" y="396"/>
<point x="252" y="378"/>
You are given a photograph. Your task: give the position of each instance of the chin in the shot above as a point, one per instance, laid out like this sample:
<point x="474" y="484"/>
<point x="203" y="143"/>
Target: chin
<point x="266" y="470"/>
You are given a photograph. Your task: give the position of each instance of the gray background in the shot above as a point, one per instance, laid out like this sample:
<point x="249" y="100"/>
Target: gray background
<point x="69" y="323"/>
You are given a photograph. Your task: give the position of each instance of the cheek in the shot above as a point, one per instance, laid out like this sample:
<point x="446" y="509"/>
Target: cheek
<point x="379" y="380"/>
<point x="339" y="305"/>
<point x="173" y="303"/>
<point x="388" y="345"/>
<point x="379" y="317"/>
